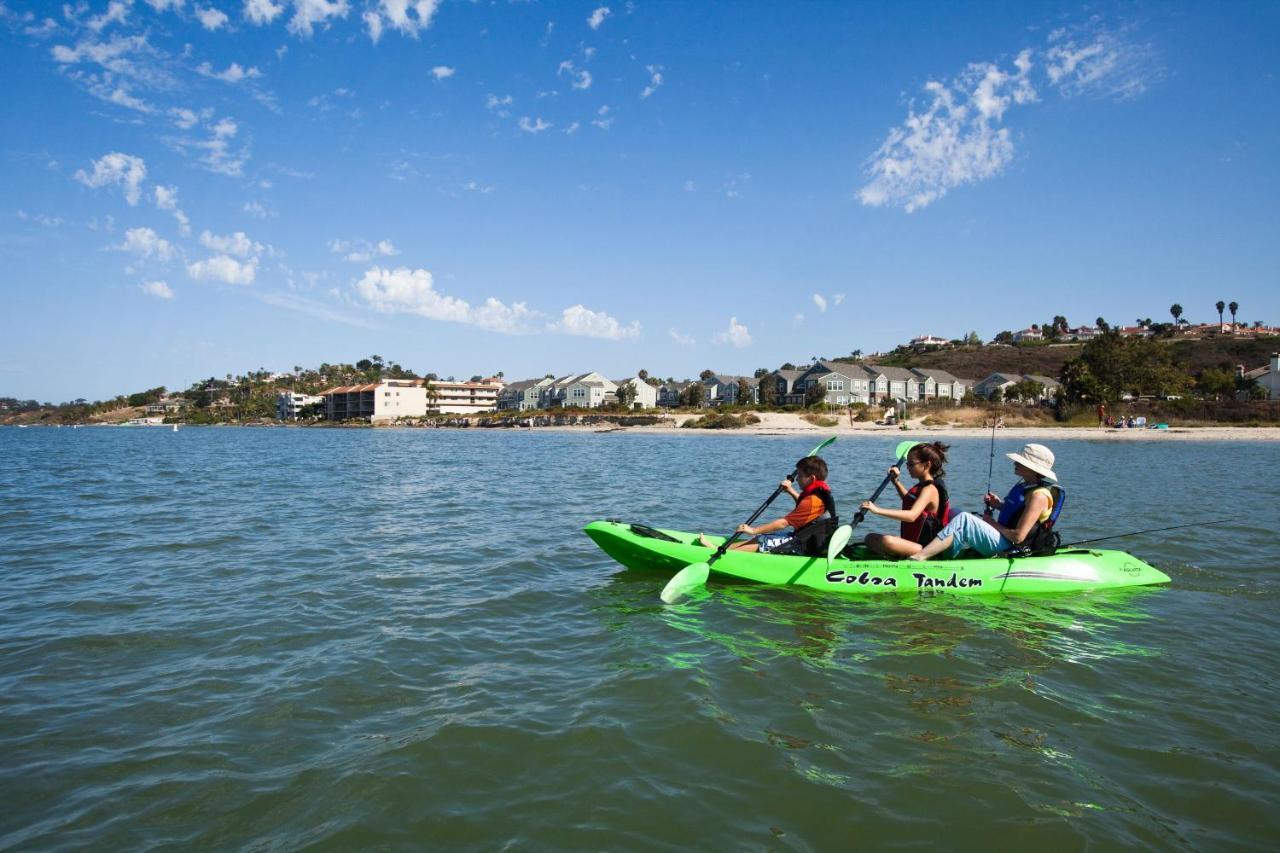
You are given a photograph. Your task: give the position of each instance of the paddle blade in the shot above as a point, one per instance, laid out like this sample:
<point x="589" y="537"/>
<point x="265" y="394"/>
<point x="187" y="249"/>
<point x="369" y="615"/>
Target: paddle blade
<point x="839" y="539"/>
<point x="819" y="448"/>
<point x="685" y="581"/>
<point x="903" y="448"/>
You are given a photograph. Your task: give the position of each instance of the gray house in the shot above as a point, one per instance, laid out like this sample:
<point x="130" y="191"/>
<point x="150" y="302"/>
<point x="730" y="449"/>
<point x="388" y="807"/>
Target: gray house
<point x="523" y="395"/>
<point x="722" y="390"/>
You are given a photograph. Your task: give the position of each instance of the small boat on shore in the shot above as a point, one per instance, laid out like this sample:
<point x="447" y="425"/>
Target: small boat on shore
<point x="1068" y="570"/>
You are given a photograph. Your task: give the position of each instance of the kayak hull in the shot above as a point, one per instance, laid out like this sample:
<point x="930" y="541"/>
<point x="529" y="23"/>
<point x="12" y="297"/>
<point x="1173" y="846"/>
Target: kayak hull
<point x="1069" y="570"/>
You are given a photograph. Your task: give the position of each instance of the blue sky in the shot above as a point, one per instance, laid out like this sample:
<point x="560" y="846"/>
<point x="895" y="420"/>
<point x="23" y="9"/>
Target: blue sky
<point x="200" y="186"/>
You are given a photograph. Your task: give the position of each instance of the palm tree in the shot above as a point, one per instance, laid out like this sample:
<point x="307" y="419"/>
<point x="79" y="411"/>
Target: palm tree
<point x="1176" y="310"/>
<point x="1219" y="305"/>
<point x="1233" y="307"/>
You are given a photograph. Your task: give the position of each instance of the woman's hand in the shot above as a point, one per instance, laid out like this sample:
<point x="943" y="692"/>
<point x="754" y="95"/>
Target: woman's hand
<point x="893" y="473"/>
<point x="747" y="529"/>
<point x="992" y="500"/>
<point x="870" y="507"/>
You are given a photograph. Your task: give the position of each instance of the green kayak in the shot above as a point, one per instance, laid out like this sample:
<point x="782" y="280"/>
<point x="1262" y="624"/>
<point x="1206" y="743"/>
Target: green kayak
<point x="1070" y="569"/>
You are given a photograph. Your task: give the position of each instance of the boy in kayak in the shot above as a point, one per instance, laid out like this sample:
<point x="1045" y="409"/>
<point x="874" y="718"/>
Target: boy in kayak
<point x="1023" y="512"/>
<point x="925" y="507"/>
<point x="813" y="502"/>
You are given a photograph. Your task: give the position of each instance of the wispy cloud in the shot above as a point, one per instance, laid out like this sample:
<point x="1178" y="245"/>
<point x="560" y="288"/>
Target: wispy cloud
<point x="736" y="334"/>
<point x="361" y="251"/>
<point x="581" y="321"/>
<point x="820" y="301"/>
<point x="598" y="17"/>
<point x="313" y="308"/>
<point x="499" y="106"/>
<point x="237" y="244"/>
<point x="166" y="198"/>
<point x="579" y="78"/>
<point x="682" y="339"/>
<point x="533" y="125"/>
<point x="210" y="17"/>
<point x="959" y="137"/>
<point x="408" y="17"/>
<point x="158" y="289"/>
<point x="406" y="291"/>
<point x="655" y="80"/>
<point x="443" y="72"/>
<point x="234" y="73"/>
<point x="125" y="170"/>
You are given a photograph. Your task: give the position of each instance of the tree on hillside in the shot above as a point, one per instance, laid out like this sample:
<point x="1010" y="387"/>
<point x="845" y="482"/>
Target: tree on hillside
<point x="744" y="393"/>
<point x="1110" y="365"/>
<point x="787" y="366"/>
<point x="1216" y="381"/>
<point x="972" y="339"/>
<point x="1028" y="390"/>
<point x="1176" y="310"/>
<point x="1220" y="305"/>
<point x="642" y="374"/>
<point x="815" y="393"/>
<point x="1005" y="337"/>
<point x="1101" y="324"/>
<point x="1233" y="307"/>
<point x="706" y="374"/>
<point x="856" y="355"/>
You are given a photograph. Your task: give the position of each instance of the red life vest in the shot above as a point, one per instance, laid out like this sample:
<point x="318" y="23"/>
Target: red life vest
<point x="926" y="526"/>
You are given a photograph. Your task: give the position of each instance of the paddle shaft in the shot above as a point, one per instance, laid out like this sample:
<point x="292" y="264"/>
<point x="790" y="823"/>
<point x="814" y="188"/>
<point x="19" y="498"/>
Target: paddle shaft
<point x="720" y="552"/>
<point x="862" y="513"/>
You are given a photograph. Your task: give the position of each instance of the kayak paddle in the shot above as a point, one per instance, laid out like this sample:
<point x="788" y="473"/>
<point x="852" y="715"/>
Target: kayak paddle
<point x="844" y="532"/>
<point x="695" y="575"/>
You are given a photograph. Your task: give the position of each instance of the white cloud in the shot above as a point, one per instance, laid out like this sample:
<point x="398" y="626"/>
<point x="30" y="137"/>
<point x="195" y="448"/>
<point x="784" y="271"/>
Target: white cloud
<point x="262" y="11"/>
<point x="736" y="334"/>
<point x="1101" y="63"/>
<point x="408" y="17"/>
<point x="682" y="340"/>
<point x="256" y="210"/>
<point x="838" y="298"/>
<point x="158" y="289"/>
<point x="42" y="218"/>
<point x="237" y="244"/>
<point x="597" y="17"/>
<point x="443" y="72"/>
<point x="307" y="14"/>
<point x="821" y="302"/>
<point x="573" y="128"/>
<point x="579" y="78"/>
<point x="146" y="243"/>
<point x="476" y="187"/>
<point x="117" y="168"/>
<point x="185" y="119"/>
<point x="210" y="17"/>
<point x="533" y="126"/>
<point x="498" y="106"/>
<point x="583" y="322"/>
<point x="233" y="74"/>
<point x="215" y="152"/>
<point x="605" y="121"/>
<point x="957" y="140"/>
<point x="361" y="251"/>
<point x="655" y="80"/>
<point x="116" y="12"/>
<point x="166" y="198"/>
<point x="690" y="186"/>
<point x="224" y="268"/>
<point x="405" y="291"/>
<point x="165" y="5"/>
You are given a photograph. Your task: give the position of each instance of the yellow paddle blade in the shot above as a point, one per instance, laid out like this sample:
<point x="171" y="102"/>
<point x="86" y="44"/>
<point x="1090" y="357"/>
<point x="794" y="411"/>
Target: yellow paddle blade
<point x="685" y="581"/>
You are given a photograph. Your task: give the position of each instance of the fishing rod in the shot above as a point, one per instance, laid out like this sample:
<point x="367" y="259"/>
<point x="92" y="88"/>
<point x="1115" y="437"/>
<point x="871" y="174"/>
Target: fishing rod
<point x="1140" y="532"/>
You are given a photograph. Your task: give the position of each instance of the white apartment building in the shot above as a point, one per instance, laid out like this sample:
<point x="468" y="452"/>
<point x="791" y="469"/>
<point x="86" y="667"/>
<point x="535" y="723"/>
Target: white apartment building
<point x="290" y="403"/>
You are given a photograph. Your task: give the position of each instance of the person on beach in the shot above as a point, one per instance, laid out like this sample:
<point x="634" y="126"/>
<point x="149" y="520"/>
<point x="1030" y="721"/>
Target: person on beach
<point x="1026" y="513"/>
<point x="1102" y="414"/>
<point x="925" y="508"/>
<point x="804" y="530"/>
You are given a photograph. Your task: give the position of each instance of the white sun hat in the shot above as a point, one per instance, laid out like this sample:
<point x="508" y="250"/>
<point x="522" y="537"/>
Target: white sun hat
<point x="1038" y="458"/>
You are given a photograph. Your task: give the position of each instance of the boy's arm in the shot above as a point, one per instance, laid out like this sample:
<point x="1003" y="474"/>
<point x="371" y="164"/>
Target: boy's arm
<point x="768" y="527"/>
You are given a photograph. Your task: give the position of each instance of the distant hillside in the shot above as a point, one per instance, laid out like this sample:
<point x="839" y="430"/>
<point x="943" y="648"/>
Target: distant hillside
<point x="977" y="362"/>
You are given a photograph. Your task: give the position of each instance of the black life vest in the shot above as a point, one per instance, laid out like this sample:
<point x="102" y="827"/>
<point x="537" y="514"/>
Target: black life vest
<point x="1041" y="539"/>
<point x="926" y="527"/>
<point x="811" y="540"/>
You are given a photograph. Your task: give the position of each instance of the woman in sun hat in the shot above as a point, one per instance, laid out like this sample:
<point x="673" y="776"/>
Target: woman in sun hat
<point x="1023" y="512"/>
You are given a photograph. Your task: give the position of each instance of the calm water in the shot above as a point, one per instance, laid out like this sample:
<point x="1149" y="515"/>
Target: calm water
<point x="349" y="638"/>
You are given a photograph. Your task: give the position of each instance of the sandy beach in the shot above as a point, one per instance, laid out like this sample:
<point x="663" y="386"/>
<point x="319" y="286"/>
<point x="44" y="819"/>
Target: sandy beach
<point x="788" y="423"/>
